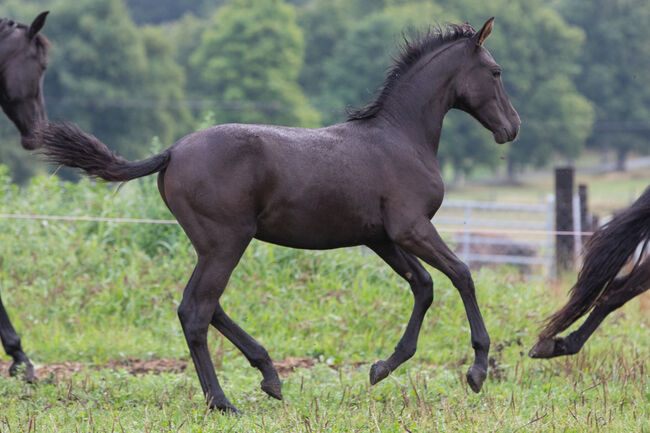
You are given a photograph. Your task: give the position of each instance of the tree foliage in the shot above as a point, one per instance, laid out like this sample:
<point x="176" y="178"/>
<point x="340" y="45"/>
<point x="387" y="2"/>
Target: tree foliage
<point x="159" y="11"/>
<point x="303" y="62"/>
<point x="110" y="77"/>
<point x="614" y="66"/>
<point x="249" y="60"/>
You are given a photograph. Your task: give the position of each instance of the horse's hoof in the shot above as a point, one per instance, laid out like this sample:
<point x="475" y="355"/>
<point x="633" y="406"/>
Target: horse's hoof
<point x="379" y="371"/>
<point x="227" y="409"/>
<point x="475" y="378"/>
<point x="272" y="388"/>
<point x="27" y="368"/>
<point x="543" y="349"/>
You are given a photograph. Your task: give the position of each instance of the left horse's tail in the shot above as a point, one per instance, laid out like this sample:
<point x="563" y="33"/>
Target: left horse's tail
<point x="608" y="250"/>
<point x="66" y="144"/>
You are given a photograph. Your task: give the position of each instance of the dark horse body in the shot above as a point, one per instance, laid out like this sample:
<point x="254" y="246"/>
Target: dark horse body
<point x="373" y="180"/>
<point x="23" y="58"/>
<point x="599" y="288"/>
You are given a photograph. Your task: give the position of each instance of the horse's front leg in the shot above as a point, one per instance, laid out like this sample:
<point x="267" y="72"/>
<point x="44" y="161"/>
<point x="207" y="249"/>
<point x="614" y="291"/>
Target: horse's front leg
<point x="620" y="291"/>
<point x="11" y="344"/>
<point x="408" y="267"/>
<point x="421" y="239"/>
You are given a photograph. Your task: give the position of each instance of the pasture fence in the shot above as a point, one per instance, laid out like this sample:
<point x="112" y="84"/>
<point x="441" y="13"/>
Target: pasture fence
<point x="485" y="233"/>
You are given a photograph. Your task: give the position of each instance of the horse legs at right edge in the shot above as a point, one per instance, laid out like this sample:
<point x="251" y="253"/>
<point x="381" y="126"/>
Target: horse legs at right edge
<point x="621" y="290"/>
<point x="11" y="344"/>
<point x="422" y="240"/>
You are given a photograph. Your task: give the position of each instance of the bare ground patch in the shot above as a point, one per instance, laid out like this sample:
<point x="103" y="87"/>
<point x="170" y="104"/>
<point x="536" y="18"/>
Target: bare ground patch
<point x="63" y="370"/>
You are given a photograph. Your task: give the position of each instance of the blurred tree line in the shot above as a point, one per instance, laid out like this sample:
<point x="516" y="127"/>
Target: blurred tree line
<point x="129" y="70"/>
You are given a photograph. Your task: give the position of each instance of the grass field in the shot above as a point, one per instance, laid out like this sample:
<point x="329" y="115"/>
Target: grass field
<point x="89" y="293"/>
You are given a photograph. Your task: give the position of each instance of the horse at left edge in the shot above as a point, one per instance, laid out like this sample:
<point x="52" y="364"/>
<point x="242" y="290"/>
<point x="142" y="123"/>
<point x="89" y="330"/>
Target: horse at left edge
<point x="23" y="60"/>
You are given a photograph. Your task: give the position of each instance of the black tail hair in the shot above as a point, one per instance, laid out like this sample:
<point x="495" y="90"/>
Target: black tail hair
<point x="609" y="249"/>
<point x="66" y="144"/>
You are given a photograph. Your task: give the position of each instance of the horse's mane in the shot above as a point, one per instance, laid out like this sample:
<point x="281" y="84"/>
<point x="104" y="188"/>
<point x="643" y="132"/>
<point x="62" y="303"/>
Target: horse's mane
<point x="412" y="50"/>
<point x="7" y="26"/>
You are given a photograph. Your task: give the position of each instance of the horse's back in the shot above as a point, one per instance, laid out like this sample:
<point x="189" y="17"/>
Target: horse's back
<point x="307" y="188"/>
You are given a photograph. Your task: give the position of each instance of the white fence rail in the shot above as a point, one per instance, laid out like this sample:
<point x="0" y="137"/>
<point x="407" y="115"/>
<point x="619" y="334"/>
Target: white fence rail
<point x="482" y="234"/>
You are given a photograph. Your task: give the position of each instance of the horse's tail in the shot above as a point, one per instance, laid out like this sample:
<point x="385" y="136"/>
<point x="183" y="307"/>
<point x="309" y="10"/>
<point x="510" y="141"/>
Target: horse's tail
<point x="67" y="144"/>
<point x="608" y="250"/>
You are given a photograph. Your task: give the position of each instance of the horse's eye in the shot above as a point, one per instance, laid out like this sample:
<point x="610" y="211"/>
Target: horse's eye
<point x="496" y="73"/>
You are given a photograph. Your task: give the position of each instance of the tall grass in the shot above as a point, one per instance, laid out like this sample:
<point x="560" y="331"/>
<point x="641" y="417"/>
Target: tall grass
<point x="93" y="291"/>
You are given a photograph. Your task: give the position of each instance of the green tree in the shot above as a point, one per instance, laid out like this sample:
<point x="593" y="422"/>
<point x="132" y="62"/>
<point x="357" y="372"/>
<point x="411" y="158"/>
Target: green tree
<point x="357" y="65"/>
<point x="615" y="65"/>
<point x="323" y="23"/>
<point x="165" y="80"/>
<point x="249" y="60"/>
<point x="113" y="79"/>
<point x="185" y="34"/>
<point x="159" y="11"/>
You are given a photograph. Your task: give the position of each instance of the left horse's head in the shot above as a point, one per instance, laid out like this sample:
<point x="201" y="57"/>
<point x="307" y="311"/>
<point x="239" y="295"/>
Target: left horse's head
<point x="23" y="59"/>
<point x="481" y="92"/>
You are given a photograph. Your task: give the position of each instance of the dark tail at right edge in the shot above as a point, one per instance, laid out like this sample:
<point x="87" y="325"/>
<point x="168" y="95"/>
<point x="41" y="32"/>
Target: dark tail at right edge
<point x="608" y="250"/>
<point x="68" y="145"/>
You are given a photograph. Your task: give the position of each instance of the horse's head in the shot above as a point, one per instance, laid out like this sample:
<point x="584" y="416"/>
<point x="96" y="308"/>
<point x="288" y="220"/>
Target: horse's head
<point x="481" y="92"/>
<point x="23" y="59"/>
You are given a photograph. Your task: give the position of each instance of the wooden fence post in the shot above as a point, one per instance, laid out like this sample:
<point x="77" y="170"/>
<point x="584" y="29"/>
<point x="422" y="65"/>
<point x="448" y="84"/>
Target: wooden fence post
<point x="585" y="220"/>
<point x="564" y="244"/>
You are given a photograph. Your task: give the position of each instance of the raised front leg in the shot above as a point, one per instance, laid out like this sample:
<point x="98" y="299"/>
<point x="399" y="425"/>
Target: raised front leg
<point x="408" y="267"/>
<point x="11" y="344"/>
<point x="422" y="240"/>
<point x="619" y="292"/>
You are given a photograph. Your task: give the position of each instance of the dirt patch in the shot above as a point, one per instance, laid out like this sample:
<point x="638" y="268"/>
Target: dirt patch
<point x="287" y="366"/>
<point x="148" y="366"/>
<point x="63" y="370"/>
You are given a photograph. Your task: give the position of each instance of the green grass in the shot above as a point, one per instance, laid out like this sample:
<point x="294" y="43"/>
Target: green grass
<point x="92" y="292"/>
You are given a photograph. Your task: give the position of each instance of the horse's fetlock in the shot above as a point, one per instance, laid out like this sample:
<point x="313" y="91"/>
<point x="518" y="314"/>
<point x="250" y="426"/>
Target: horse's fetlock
<point x="406" y="350"/>
<point x="12" y="344"/>
<point x="482" y="344"/>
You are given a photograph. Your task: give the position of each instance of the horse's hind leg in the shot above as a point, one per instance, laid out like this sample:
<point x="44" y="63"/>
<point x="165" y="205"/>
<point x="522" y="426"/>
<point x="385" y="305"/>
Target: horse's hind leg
<point x="11" y="344"/>
<point x="200" y="301"/>
<point x="408" y="267"/>
<point x="620" y="291"/>
<point x="254" y="352"/>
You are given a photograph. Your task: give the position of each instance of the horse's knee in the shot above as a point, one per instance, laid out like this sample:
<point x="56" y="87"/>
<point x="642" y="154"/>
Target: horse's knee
<point x="422" y="289"/>
<point x="481" y="343"/>
<point x="195" y="332"/>
<point x="462" y="277"/>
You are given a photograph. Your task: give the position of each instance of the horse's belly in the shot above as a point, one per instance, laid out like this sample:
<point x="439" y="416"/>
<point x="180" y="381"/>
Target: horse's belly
<point x="320" y="230"/>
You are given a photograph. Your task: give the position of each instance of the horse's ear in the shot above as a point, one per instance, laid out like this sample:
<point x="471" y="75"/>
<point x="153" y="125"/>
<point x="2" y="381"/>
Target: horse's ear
<point x="485" y="31"/>
<point x="37" y="25"/>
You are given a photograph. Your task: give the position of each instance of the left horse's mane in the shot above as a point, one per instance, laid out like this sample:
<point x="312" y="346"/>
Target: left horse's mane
<point x="412" y="49"/>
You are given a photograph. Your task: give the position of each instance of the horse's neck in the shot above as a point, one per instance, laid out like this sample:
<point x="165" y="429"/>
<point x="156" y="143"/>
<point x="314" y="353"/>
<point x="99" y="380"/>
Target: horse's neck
<point x="421" y="123"/>
<point x="420" y="103"/>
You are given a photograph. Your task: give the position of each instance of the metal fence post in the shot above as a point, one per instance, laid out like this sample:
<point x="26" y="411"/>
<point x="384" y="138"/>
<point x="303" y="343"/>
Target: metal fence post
<point x="467" y="236"/>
